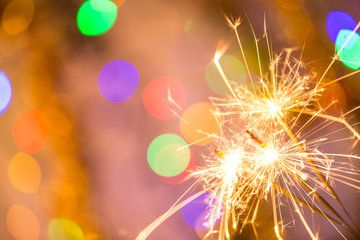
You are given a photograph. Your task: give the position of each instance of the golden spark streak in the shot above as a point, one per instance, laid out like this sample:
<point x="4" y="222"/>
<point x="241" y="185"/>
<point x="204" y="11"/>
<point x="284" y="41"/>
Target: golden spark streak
<point x="273" y="159"/>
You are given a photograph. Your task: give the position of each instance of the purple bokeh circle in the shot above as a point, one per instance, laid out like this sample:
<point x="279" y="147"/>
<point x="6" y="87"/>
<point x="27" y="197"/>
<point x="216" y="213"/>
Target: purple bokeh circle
<point x="5" y="92"/>
<point x="201" y="213"/>
<point x="337" y="21"/>
<point x="118" y="80"/>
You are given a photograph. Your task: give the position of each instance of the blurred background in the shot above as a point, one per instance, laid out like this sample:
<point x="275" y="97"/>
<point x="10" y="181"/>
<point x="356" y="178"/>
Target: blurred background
<point x="85" y="93"/>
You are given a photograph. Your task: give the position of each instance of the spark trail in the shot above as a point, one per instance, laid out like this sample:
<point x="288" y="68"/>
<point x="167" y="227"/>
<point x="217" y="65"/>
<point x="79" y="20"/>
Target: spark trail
<point x="272" y="148"/>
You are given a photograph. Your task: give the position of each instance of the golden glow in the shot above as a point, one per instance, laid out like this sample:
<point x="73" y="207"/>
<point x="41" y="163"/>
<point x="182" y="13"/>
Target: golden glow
<point x="270" y="156"/>
<point x="231" y="164"/>
<point x="273" y="108"/>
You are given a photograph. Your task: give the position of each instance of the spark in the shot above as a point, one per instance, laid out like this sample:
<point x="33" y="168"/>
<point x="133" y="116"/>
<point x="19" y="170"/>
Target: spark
<point x="270" y="155"/>
<point x="268" y="151"/>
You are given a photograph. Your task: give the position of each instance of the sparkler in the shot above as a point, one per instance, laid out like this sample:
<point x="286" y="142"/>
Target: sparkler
<point x="267" y="152"/>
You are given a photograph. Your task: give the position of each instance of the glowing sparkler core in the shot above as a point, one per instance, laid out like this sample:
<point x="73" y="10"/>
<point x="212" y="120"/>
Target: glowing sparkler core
<point x="230" y="168"/>
<point x="273" y="108"/>
<point x="231" y="163"/>
<point x="270" y="156"/>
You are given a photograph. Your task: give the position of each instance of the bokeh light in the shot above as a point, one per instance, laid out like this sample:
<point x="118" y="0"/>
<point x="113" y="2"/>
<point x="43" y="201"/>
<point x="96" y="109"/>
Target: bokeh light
<point x="61" y="228"/>
<point x="118" y="80"/>
<point x="199" y="120"/>
<point x="30" y="131"/>
<point x="233" y="68"/>
<point x="24" y="173"/>
<point x="199" y="213"/>
<point x="190" y="53"/>
<point x="95" y="17"/>
<point x="349" y="44"/>
<point x="22" y="223"/>
<point x="337" y="21"/>
<point x="17" y="16"/>
<point x="182" y="176"/>
<point x="168" y="155"/>
<point x="164" y="98"/>
<point x="5" y="92"/>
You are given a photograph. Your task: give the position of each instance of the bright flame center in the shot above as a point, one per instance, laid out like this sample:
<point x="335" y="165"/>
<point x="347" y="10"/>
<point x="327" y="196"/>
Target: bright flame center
<point x="230" y="165"/>
<point x="273" y="108"/>
<point x="270" y="156"/>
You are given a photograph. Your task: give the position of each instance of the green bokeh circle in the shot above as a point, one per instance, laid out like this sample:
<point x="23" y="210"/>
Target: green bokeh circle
<point x="164" y="156"/>
<point x="61" y="228"/>
<point x="232" y="67"/>
<point x="96" y="17"/>
<point x="350" y="54"/>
